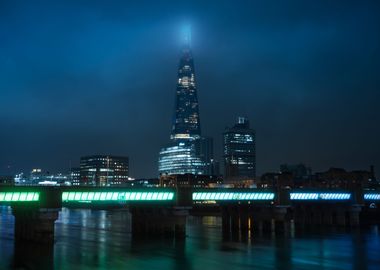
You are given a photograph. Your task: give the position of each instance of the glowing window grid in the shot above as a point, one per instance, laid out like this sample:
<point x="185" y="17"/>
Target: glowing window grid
<point x="372" y="196"/>
<point x="19" y="196"/>
<point x="117" y="196"/>
<point x="235" y="196"/>
<point x="320" y="196"/>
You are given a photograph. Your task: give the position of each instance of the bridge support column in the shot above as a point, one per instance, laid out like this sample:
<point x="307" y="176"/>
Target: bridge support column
<point x="309" y="216"/>
<point x="280" y="221"/>
<point x="260" y="225"/>
<point x="254" y="222"/>
<point x="341" y="217"/>
<point x="326" y="213"/>
<point x="317" y="216"/>
<point x="35" y="225"/>
<point x="234" y="213"/>
<point x="244" y="220"/>
<point x="267" y="225"/>
<point x="355" y="215"/>
<point x="327" y="217"/>
<point x="226" y="221"/>
<point x="299" y="217"/>
<point x="255" y="218"/>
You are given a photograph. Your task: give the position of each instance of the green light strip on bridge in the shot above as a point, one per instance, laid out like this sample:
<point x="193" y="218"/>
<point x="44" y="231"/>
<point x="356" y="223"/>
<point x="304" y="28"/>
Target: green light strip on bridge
<point x="117" y="196"/>
<point x="235" y="196"/>
<point x="19" y="196"/>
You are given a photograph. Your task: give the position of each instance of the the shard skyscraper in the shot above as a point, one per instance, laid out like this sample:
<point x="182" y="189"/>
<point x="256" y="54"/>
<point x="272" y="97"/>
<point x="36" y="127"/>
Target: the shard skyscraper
<point x="186" y="123"/>
<point x="188" y="151"/>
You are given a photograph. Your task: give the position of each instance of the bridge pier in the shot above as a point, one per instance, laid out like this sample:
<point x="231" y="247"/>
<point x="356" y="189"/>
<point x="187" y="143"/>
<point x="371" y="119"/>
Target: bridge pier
<point x="327" y="218"/>
<point x="254" y="223"/>
<point x="327" y="215"/>
<point x="234" y="213"/>
<point x="260" y="226"/>
<point x="262" y="219"/>
<point x="163" y="221"/>
<point x="35" y="225"/>
<point x="299" y="217"/>
<point x="226" y="221"/>
<point x="340" y="217"/>
<point x="244" y="220"/>
<point x="317" y="216"/>
<point x="266" y="225"/>
<point x="309" y="216"/>
<point x="281" y="221"/>
<point x="355" y="215"/>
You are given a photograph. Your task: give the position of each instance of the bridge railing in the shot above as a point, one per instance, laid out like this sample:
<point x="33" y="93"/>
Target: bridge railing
<point x="229" y="194"/>
<point x="55" y="196"/>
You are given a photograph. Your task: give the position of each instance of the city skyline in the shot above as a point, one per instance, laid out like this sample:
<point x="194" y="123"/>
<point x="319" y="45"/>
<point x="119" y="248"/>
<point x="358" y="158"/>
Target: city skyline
<point x="310" y="92"/>
<point x="189" y="134"/>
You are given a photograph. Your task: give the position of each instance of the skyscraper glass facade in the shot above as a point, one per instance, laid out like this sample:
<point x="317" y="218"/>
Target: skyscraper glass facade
<point x="239" y="151"/>
<point x="187" y="152"/>
<point x="75" y="176"/>
<point x="181" y="158"/>
<point x="186" y="122"/>
<point x="103" y="170"/>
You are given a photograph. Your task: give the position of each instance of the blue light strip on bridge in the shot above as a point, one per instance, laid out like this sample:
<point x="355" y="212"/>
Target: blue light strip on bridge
<point x="372" y="196"/>
<point x="319" y="196"/>
<point x="234" y="196"/>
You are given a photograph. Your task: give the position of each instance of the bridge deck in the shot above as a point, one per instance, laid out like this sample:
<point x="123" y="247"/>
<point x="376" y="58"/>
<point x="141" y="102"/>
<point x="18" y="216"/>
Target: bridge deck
<point x="156" y="195"/>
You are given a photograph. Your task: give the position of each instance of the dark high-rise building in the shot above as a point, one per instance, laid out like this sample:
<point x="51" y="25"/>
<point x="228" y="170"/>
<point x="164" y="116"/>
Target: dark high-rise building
<point x="104" y="170"/>
<point x="6" y="180"/>
<point x="190" y="180"/>
<point x="204" y="150"/>
<point x="186" y="123"/>
<point x="239" y="151"/>
<point x="75" y="176"/>
<point x="187" y="152"/>
<point x="302" y="175"/>
<point x="36" y="175"/>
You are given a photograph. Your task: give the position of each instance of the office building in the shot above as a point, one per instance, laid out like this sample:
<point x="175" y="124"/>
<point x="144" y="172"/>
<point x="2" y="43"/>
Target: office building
<point x="301" y="174"/>
<point x="104" y="170"/>
<point x="190" y="180"/>
<point x="180" y="158"/>
<point x="239" y="151"/>
<point x="75" y="176"/>
<point x="6" y="180"/>
<point x="36" y="176"/>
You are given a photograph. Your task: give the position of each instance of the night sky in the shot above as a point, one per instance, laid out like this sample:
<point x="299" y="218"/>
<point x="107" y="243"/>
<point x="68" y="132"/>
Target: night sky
<point x="98" y="77"/>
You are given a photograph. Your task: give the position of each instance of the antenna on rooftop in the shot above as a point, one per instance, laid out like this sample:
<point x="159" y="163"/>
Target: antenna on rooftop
<point x="186" y="32"/>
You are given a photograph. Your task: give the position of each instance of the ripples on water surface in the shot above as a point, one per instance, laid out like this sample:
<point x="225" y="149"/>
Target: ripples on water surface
<point x="89" y="239"/>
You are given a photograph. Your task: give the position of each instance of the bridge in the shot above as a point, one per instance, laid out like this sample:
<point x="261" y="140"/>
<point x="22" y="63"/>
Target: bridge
<point x="163" y="211"/>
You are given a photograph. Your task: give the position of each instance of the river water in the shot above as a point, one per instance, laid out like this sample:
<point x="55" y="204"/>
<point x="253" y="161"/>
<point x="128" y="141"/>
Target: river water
<point x="97" y="239"/>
